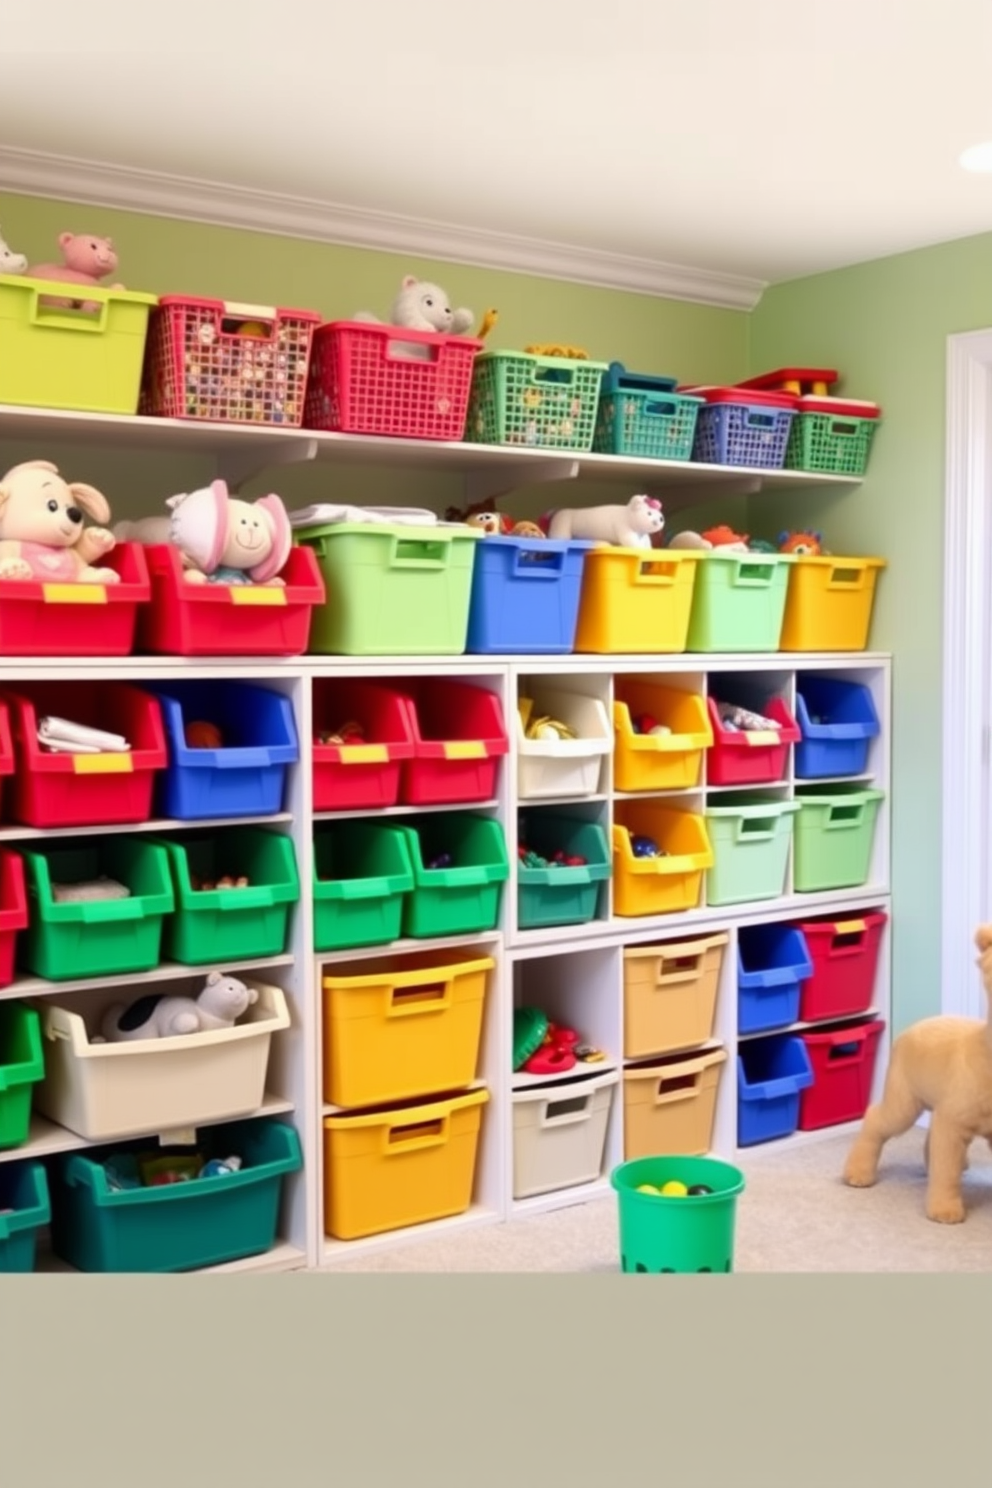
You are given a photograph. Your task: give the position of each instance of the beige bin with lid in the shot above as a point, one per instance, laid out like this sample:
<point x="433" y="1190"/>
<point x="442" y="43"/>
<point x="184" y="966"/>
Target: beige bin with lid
<point x="670" y="1106"/>
<point x="559" y="1133"/>
<point x="669" y="994"/>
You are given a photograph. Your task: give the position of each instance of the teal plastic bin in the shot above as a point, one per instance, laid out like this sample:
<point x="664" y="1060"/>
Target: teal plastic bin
<point x="561" y="895"/>
<point x="750" y="836"/>
<point x="463" y="896"/>
<point x="835" y="834"/>
<point x="362" y="871"/>
<point x="25" y="1209"/>
<point x="22" y="1067"/>
<point x="177" y="1226"/>
<point x="738" y="602"/>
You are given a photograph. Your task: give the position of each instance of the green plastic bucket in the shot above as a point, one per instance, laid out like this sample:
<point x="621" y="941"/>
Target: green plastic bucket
<point x="686" y="1234"/>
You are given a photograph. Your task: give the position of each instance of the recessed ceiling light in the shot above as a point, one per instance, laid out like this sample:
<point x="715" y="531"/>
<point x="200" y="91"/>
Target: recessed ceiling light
<point x="978" y="157"/>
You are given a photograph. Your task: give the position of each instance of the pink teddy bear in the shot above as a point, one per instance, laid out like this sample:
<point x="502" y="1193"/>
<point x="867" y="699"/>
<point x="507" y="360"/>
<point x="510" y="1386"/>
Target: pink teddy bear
<point x="86" y="260"/>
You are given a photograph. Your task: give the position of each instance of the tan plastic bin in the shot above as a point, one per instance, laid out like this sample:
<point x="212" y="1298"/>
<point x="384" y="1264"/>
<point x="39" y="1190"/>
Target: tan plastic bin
<point x="669" y="995"/>
<point x="670" y="1106"/>
<point x="559" y="1134"/>
<point x="104" y="1091"/>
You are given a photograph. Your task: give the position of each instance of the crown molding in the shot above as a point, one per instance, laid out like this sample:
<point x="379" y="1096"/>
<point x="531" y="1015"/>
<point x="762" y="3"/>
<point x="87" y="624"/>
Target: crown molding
<point x="157" y="194"/>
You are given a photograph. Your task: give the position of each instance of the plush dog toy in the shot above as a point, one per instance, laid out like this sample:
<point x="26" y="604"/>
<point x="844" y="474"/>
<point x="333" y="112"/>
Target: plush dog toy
<point x="42" y="536"/>
<point x="222" y="539"/>
<point x="220" y="1004"/>
<point x="942" y="1065"/>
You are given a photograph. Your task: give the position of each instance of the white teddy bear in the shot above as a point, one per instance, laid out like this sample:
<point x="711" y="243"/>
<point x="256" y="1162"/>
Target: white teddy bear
<point x="11" y="262"/>
<point x="422" y="306"/>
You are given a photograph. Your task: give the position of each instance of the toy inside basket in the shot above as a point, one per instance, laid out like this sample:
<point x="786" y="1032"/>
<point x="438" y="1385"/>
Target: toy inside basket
<point x="41" y="619"/>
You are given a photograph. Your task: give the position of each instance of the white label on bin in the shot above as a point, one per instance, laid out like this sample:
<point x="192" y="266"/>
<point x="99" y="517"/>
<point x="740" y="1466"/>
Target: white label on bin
<point x="183" y="1136"/>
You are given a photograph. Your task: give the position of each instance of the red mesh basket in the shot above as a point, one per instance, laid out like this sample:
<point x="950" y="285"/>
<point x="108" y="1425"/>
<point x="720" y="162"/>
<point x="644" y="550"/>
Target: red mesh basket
<point x="379" y="379"/>
<point x="225" y="362"/>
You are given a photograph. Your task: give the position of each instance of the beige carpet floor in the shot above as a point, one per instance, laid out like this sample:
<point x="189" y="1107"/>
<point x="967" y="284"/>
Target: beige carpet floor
<point x="795" y="1215"/>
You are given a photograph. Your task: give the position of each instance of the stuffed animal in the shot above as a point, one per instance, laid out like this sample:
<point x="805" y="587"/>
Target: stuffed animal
<point x="222" y="539"/>
<point x="41" y="527"/>
<point x="422" y="306"/>
<point x="630" y="526"/>
<point x="714" y="539"/>
<point x="86" y="259"/>
<point x="942" y="1065"/>
<point x="11" y="262"/>
<point x="219" y="1004"/>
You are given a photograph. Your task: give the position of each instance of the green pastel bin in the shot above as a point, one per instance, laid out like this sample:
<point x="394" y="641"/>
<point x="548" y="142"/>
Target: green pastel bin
<point x="22" y="1067"/>
<point x="750" y="836"/>
<point x="835" y="834"/>
<point x="212" y="925"/>
<point x="738" y="602"/>
<point x="362" y="871"/>
<point x="685" y="1234"/>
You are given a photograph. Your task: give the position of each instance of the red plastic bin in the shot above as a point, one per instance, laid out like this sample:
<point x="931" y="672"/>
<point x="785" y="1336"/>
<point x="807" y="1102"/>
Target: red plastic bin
<point x="84" y="790"/>
<point x="13" y="911"/>
<point x="843" y="1061"/>
<point x="738" y="758"/>
<point x="845" y="962"/>
<point x="39" y="619"/>
<point x="226" y="362"/>
<point x="366" y="776"/>
<point x="458" y="737"/>
<point x="186" y="619"/>
<point x="379" y="379"/>
<point x="7" y="761"/>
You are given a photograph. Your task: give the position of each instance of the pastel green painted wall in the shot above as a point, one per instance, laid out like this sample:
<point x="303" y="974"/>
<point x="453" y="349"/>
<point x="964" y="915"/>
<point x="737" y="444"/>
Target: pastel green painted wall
<point x="885" y="325"/>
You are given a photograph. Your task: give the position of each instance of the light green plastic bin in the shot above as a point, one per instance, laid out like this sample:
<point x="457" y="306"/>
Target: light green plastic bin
<point x="62" y="358"/>
<point x="392" y="591"/>
<point x="835" y="834"/>
<point x="751" y="836"/>
<point x="738" y="602"/>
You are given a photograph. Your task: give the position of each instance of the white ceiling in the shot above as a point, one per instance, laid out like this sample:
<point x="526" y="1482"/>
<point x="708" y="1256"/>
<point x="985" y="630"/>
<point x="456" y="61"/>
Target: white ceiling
<point x="755" y="138"/>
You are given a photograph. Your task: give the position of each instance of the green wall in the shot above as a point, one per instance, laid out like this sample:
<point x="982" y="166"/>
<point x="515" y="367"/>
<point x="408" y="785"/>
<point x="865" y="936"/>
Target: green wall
<point x="884" y="326"/>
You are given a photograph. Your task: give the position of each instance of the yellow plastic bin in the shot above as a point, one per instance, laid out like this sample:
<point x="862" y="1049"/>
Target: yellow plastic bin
<point x="670" y="1106"/>
<point x="400" y="1027"/>
<point x="658" y="762"/>
<point x="385" y="1170"/>
<point x="829" y="603"/>
<point x="658" y="885"/>
<point x="635" y="600"/>
<point x="669" y="995"/>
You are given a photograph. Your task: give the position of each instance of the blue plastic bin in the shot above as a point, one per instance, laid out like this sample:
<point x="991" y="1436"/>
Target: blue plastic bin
<point x="525" y="596"/>
<point x="247" y="777"/>
<point x="773" y="961"/>
<point x="771" y="1073"/>
<point x="838" y="721"/>
<point x="742" y="434"/>
<point x="24" y="1192"/>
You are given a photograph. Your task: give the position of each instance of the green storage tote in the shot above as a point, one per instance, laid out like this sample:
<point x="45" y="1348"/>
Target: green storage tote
<point x="22" y="1067"/>
<point x="751" y="836"/>
<point x="103" y="937"/>
<point x="738" y="602"/>
<point x="211" y="925"/>
<point x="546" y="402"/>
<point x="362" y="871"/>
<point x="463" y="897"/>
<point x="391" y="591"/>
<point x="25" y="1208"/>
<point x="176" y="1226"/>
<point x="52" y="357"/>
<point x="561" y="896"/>
<point x="835" y="834"/>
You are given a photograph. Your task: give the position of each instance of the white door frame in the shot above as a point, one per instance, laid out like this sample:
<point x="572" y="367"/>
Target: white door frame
<point x="966" y="823"/>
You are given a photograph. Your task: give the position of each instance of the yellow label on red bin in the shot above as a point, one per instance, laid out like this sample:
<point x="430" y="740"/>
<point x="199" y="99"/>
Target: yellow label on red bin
<point x="102" y="764"/>
<point x="250" y="594"/>
<point x="464" y="749"/>
<point x="849" y="927"/>
<point x="364" y="754"/>
<point x="762" y="736"/>
<point x="74" y="593"/>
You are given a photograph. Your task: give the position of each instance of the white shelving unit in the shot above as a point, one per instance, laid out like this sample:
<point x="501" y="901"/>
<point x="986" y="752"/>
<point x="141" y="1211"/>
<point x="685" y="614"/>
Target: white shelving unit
<point x="578" y="969"/>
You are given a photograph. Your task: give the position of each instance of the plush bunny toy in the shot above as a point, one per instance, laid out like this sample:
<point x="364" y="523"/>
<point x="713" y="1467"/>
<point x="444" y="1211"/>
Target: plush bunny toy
<point x="223" y="539"/>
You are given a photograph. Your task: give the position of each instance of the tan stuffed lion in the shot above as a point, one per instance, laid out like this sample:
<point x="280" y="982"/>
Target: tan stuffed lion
<point x="942" y="1065"/>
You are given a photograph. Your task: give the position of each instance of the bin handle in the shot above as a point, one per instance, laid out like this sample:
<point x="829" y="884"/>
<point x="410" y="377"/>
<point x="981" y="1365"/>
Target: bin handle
<point x="247" y="898"/>
<point x="843" y="427"/>
<point x="851" y="1050"/>
<point x="853" y="933"/>
<point x="415" y="1136"/>
<point x="846" y="816"/>
<point x="124" y="909"/>
<point x="56" y="318"/>
<point x="660" y="408"/>
<point x="848" y="576"/>
<point x="531" y="562"/>
<point x="681" y="1086"/>
<point x="550" y="369"/>
<point x="247" y="759"/>
<point x="412" y="552"/>
<point x="426" y="351"/>
<point x="567" y="1111"/>
<point x="753" y="575"/>
<point x="422" y="997"/>
<point x="756" y="420"/>
<point x="685" y="969"/>
<point x="658" y="572"/>
<point x="756" y="829"/>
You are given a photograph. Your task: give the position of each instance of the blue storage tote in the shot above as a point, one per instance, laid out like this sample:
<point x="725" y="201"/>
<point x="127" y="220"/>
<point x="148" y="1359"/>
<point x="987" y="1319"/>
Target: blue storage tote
<point x="24" y="1210"/>
<point x="186" y="1226"/>
<point x="837" y="721"/>
<point x="771" y="1074"/>
<point x="742" y="427"/>
<point x="247" y="775"/>
<point x="525" y="596"/>
<point x="773" y="961"/>
<point x="644" y="417"/>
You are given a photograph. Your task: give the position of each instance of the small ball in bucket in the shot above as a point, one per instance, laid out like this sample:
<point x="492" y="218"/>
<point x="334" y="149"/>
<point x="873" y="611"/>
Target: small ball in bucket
<point x="699" y="1188"/>
<point x="673" y="1189"/>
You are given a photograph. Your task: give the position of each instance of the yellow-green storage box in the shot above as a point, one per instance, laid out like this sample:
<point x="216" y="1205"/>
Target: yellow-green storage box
<point x="87" y="360"/>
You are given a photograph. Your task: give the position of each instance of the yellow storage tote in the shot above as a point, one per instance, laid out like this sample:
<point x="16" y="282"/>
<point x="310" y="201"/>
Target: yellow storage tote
<point x="635" y="600"/>
<point x="658" y="762"/>
<point x="399" y="1027"/>
<point x="664" y="885"/>
<point x="829" y="604"/>
<point x="670" y="1107"/>
<point x="384" y="1170"/>
<point x="669" y="995"/>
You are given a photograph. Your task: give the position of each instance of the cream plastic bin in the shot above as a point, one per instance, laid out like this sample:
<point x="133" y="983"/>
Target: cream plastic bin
<point x="104" y="1091"/>
<point x="559" y="1134"/>
<point x="563" y="767"/>
<point x="669" y="995"/>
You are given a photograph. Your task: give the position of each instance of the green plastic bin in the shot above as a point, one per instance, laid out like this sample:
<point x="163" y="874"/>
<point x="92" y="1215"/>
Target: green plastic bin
<point x="464" y="897"/>
<point x="212" y="925"/>
<point x="561" y="896"/>
<point x="738" y="601"/>
<point x="362" y="871"/>
<point x="22" y="1067"/>
<point x="62" y="358"/>
<point x="101" y="937"/>
<point x="750" y="836"/>
<point x="178" y="1226"/>
<point x="25" y="1208"/>
<point x="686" y="1233"/>
<point x="392" y="591"/>
<point x="835" y="834"/>
<point x="834" y="444"/>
